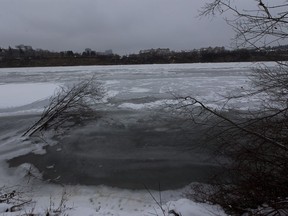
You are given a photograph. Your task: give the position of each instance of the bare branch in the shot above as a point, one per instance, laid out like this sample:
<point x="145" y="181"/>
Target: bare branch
<point x="258" y="27"/>
<point x="69" y="102"/>
<point x="280" y="145"/>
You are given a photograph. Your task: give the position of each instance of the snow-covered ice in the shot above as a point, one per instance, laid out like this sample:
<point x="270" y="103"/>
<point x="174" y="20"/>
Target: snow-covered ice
<point x="13" y="95"/>
<point x="205" y="81"/>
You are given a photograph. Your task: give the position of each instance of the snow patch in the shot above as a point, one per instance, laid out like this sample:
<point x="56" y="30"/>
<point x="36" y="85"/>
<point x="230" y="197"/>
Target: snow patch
<point x="103" y="201"/>
<point x="22" y="112"/>
<point x="109" y="94"/>
<point x="139" y="90"/>
<point x="111" y="82"/>
<point x="13" y="95"/>
<point x="151" y="105"/>
<point x="187" y="207"/>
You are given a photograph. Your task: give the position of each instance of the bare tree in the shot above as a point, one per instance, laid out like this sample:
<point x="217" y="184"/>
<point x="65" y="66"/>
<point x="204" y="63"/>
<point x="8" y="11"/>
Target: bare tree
<point x="255" y="141"/>
<point x="256" y="144"/>
<point x="262" y="24"/>
<point x="70" y="103"/>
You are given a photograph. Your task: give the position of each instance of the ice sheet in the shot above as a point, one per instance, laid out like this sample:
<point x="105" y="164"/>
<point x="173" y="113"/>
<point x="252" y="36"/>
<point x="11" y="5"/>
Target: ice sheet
<point x="13" y="95"/>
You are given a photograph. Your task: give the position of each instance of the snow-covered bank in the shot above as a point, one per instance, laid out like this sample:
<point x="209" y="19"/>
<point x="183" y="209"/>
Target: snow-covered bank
<point x="102" y="201"/>
<point x="40" y="198"/>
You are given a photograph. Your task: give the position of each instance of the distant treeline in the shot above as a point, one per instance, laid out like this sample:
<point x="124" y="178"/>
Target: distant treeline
<point x="26" y="56"/>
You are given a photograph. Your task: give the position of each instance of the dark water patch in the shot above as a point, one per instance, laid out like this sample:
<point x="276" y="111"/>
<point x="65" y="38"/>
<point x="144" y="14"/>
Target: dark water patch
<point x="17" y="123"/>
<point x="123" y="173"/>
<point x="128" y="150"/>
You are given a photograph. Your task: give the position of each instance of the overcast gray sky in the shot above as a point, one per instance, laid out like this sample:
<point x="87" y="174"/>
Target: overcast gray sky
<point x="125" y="26"/>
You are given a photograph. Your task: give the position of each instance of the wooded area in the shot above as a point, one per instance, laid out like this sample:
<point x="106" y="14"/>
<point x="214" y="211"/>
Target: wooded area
<point x="26" y="56"/>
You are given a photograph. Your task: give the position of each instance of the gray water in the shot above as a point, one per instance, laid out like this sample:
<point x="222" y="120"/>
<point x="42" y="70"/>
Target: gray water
<point x="127" y="147"/>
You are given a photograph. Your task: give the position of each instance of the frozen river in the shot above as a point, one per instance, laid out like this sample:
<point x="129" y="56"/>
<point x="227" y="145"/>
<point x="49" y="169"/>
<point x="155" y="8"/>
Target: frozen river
<point x="136" y="140"/>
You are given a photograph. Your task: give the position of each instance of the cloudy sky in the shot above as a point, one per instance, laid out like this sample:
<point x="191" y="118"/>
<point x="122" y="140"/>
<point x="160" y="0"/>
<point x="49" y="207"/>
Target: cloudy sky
<point x="125" y="26"/>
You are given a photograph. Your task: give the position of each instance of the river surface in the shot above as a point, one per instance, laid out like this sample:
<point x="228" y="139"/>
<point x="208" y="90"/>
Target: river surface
<point x="137" y="140"/>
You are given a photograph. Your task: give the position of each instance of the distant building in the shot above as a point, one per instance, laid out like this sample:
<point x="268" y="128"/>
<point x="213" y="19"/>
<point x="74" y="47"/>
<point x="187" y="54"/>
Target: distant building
<point x="159" y="51"/>
<point x="105" y="53"/>
<point x="24" y="47"/>
<point x="88" y="50"/>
